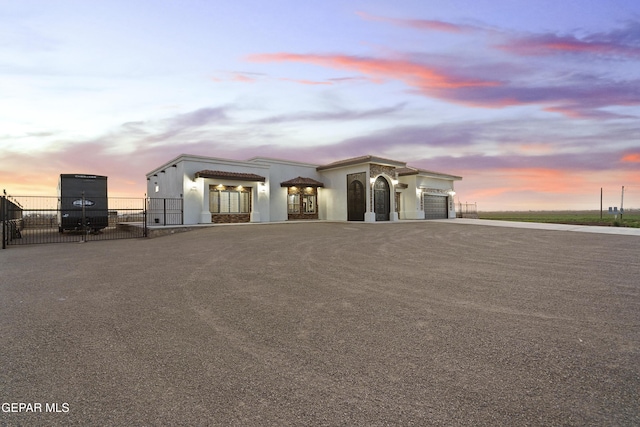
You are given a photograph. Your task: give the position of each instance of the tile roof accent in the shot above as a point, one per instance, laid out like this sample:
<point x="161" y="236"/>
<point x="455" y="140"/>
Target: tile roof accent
<point x="301" y="182"/>
<point x="360" y="160"/>
<point x="237" y="176"/>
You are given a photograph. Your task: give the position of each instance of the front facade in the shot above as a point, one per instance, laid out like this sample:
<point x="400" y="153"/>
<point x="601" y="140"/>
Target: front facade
<point x="366" y="188"/>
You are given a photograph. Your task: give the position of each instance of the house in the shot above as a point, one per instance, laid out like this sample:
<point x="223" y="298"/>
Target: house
<point x="366" y="188"/>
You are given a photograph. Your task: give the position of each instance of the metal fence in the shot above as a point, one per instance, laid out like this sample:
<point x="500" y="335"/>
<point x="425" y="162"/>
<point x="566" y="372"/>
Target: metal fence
<point x="41" y="219"/>
<point x="165" y="211"/>
<point x="467" y="210"/>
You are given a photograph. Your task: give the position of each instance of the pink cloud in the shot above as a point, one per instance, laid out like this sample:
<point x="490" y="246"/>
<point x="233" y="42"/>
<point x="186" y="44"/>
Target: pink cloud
<point x="631" y="158"/>
<point x="306" y="82"/>
<point x="420" y="24"/>
<point x="552" y="44"/>
<point x="620" y="42"/>
<point x="412" y="73"/>
<point x="243" y="78"/>
<point x="579" y="97"/>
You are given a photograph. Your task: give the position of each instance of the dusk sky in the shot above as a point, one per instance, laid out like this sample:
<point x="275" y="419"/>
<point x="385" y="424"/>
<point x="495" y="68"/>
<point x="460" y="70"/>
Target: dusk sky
<point x="536" y="104"/>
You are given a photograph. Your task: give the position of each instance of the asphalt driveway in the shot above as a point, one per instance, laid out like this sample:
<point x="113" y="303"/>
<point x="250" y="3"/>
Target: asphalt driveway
<point x="416" y="323"/>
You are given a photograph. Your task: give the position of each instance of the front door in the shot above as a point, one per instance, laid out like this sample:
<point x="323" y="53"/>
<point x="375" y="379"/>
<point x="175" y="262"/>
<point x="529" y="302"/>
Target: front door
<point x="356" y="205"/>
<point x="381" y="199"/>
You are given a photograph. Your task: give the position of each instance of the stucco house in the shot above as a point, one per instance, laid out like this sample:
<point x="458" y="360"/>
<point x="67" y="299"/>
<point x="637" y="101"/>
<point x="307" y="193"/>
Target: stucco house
<point x="366" y="188"/>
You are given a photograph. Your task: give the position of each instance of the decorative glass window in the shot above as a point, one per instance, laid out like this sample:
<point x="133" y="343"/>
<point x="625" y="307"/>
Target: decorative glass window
<point x="309" y="203"/>
<point x="293" y="203"/>
<point x="222" y="200"/>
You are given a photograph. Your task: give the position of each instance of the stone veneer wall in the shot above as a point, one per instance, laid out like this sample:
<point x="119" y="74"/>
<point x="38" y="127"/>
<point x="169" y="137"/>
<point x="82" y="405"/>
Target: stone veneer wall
<point x="374" y="171"/>
<point x="303" y="216"/>
<point x="310" y="191"/>
<point x="230" y="218"/>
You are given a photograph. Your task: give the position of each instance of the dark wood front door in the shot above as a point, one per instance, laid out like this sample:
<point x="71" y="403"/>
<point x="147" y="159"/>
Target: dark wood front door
<point x="381" y="199"/>
<point x="356" y="205"/>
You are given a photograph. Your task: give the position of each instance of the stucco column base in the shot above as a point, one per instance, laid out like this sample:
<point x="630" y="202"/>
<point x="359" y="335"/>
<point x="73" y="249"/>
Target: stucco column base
<point x="205" y="217"/>
<point x="370" y="217"/>
<point x="393" y="216"/>
<point x="255" y="217"/>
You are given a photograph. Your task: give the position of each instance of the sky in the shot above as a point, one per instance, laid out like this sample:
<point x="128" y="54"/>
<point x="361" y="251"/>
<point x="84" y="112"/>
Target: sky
<point x="536" y="104"/>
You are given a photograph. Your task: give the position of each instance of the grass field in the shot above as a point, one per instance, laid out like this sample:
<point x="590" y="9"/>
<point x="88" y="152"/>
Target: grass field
<point x="629" y="219"/>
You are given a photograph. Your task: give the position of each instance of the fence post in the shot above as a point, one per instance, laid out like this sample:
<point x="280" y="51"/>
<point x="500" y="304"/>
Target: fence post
<point x="144" y="215"/>
<point x="3" y="206"/>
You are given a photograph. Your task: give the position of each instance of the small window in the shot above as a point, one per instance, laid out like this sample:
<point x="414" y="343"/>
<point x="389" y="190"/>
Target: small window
<point x="293" y="202"/>
<point x="309" y="204"/>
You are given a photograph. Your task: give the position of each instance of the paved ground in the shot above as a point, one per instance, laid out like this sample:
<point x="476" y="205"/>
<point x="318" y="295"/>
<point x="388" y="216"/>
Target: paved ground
<point x="421" y="323"/>
<point x="625" y="231"/>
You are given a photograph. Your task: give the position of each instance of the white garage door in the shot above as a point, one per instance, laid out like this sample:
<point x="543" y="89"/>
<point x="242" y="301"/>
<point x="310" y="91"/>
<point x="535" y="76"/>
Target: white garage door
<point x="435" y="207"/>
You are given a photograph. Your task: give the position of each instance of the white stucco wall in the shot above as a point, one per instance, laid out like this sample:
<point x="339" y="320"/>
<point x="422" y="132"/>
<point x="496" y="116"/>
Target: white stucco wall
<point x="335" y="191"/>
<point x="281" y="171"/>
<point x="410" y="199"/>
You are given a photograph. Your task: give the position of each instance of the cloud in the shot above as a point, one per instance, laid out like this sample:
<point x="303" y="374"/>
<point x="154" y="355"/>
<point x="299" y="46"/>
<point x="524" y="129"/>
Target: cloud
<point x="621" y="42"/>
<point x="200" y="117"/>
<point x="243" y="78"/>
<point x="624" y="42"/>
<point x="631" y="158"/>
<point x="339" y="115"/>
<point x="421" y="24"/>
<point x="412" y="73"/>
<point x="574" y="95"/>
<point x="306" y="82"/>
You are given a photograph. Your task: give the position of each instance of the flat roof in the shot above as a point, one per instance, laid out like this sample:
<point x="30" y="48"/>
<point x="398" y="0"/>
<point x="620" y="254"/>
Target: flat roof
<point x="415" y="171"/>
<point x="237" y="176"/>
<point x="360" y="160"/>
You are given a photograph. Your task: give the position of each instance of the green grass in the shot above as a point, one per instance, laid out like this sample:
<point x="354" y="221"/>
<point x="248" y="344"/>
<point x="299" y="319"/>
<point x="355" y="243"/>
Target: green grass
<point x="629" y="219"/>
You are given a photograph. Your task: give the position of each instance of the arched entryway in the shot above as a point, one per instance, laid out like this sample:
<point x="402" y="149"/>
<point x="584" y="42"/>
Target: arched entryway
<point x="381" y="199"/>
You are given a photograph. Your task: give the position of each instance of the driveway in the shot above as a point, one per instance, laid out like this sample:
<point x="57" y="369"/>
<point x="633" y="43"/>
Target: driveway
<point x="412" y="323"/>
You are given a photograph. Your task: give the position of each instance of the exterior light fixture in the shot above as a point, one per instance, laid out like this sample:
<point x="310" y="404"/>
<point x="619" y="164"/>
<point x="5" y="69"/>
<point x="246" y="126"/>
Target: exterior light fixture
<point x="395" y="181"/>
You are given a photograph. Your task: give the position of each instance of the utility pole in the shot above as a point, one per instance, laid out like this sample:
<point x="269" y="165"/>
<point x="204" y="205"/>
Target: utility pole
<point x="600" y="202"/>
<point x="622" y="204"/>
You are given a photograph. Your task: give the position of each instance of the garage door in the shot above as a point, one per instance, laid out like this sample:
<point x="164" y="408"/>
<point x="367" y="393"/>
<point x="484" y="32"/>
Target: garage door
<point x="435" y="207"/>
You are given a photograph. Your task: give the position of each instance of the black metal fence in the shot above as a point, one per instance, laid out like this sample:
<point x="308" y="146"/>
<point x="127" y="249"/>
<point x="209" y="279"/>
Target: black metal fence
<point x="467" y="210"/>
<point x="165" y="211"/>
<point x="41" y="219"/>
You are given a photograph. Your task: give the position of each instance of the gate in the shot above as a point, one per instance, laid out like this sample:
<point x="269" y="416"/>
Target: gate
<point x="39" y="219"/>
<point x="165" y="211"/>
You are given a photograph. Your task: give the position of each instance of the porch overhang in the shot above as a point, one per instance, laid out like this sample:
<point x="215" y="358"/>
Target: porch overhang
<point x="301" y="182"/>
